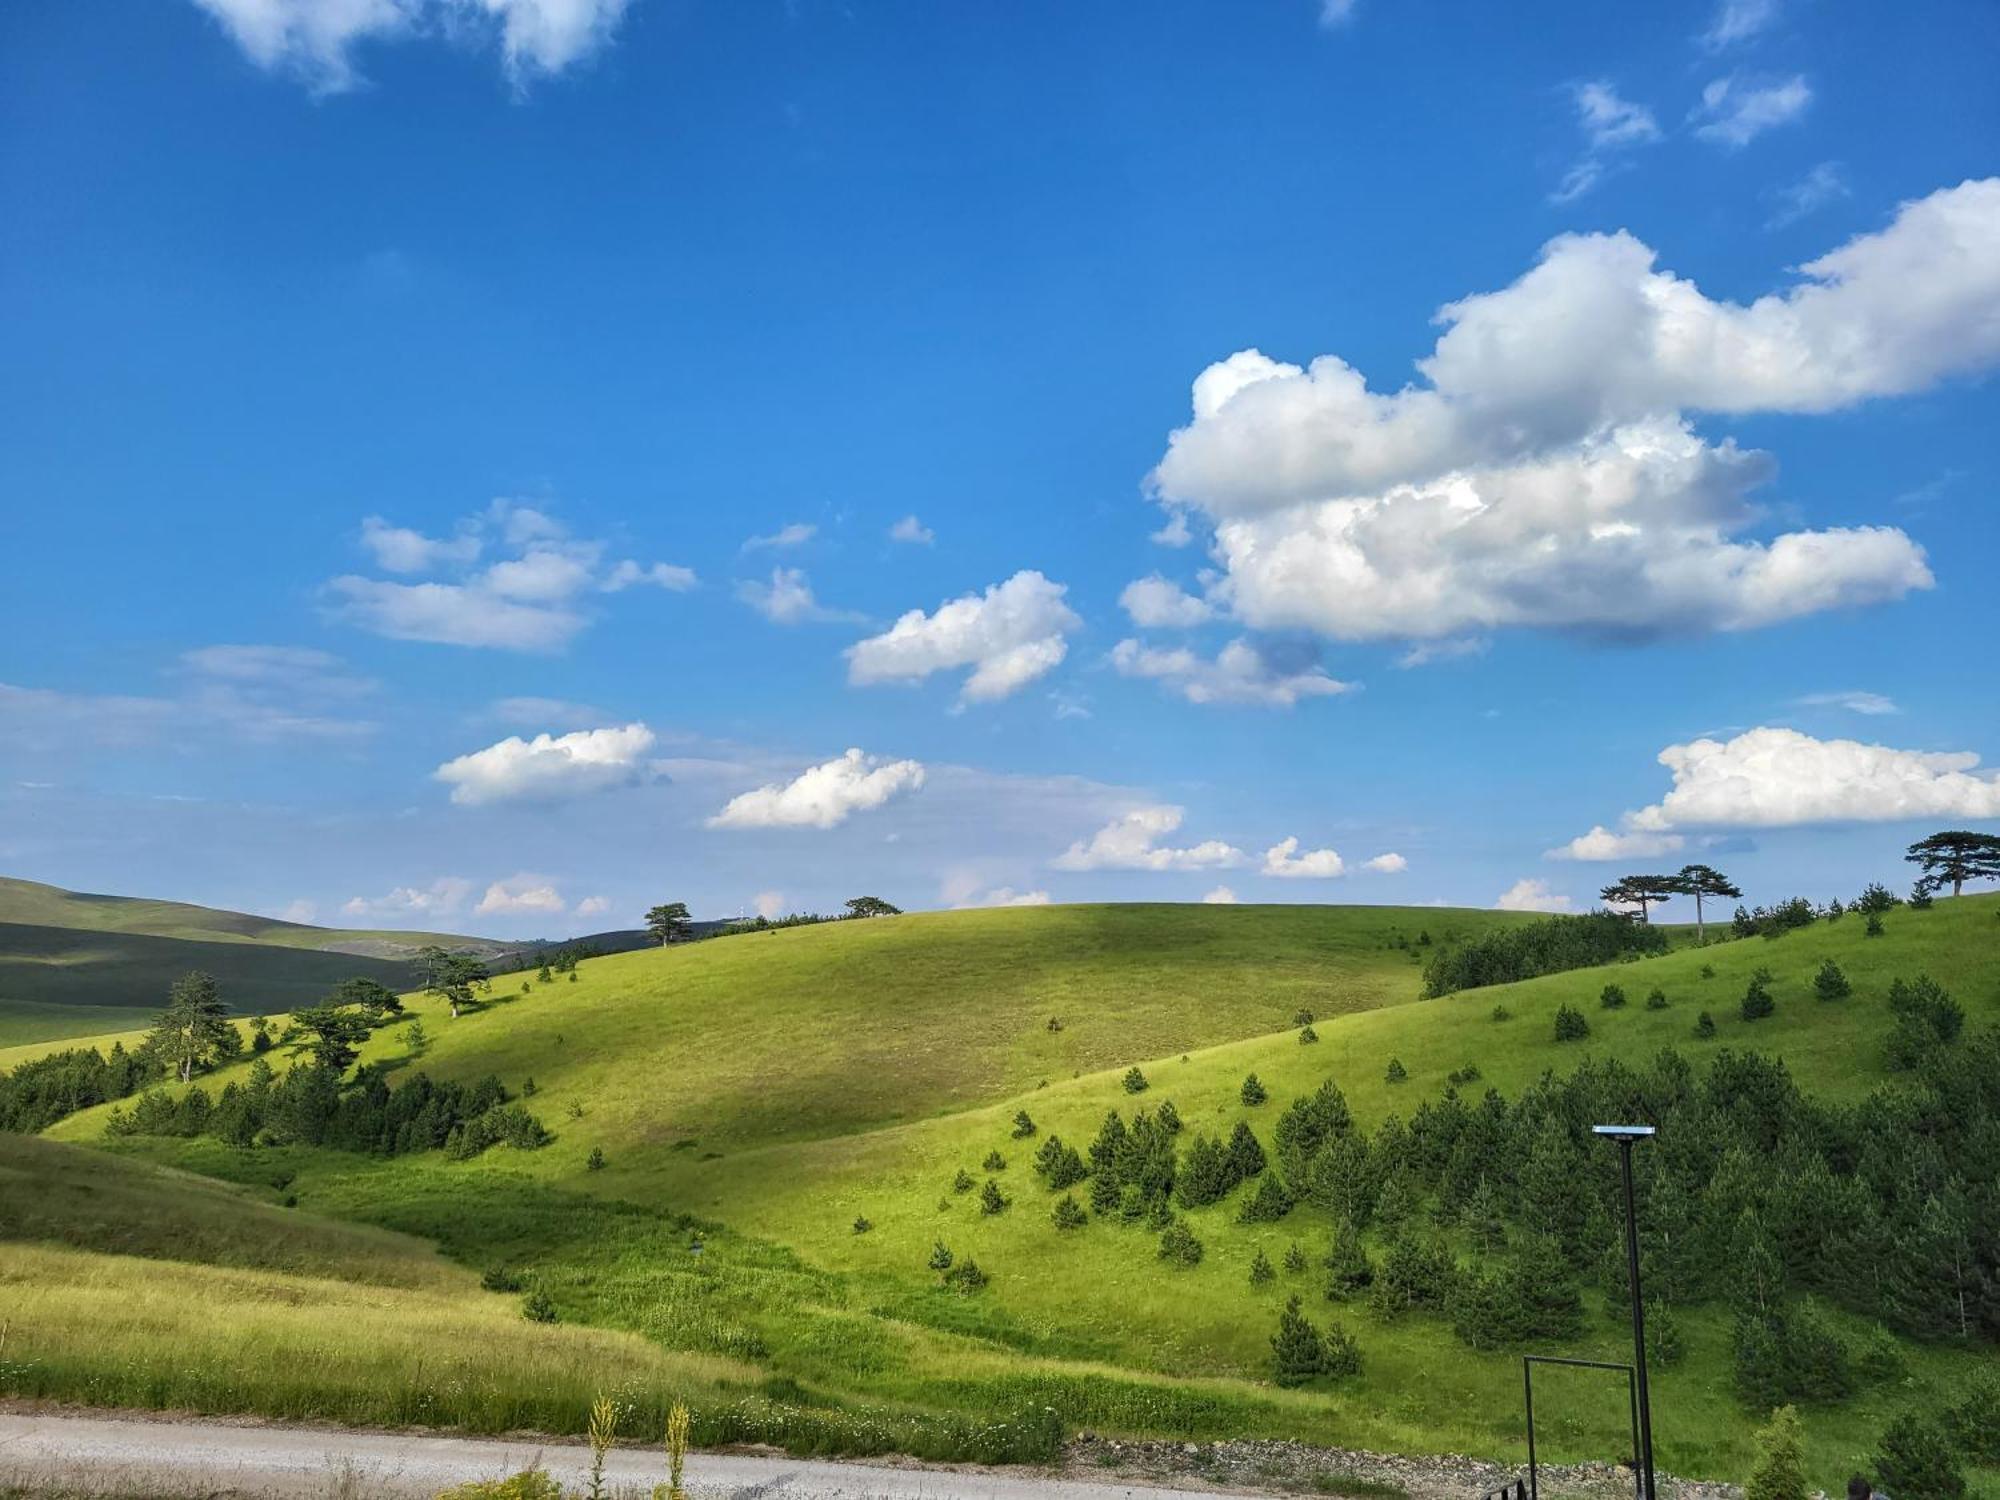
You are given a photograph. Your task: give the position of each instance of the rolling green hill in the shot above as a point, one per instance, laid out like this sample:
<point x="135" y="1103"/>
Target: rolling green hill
<point x="782" y="1085"/>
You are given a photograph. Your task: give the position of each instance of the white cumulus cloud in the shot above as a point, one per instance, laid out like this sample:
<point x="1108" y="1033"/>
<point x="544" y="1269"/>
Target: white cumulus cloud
<point x="1222" y="895"/>
<point x="1776" y="778"/>
<point x="1242" y="673"/>
<point x="591" y="906"/>
<point x="550" y="766"/>
<point x="1008" y="636"/>
<point x="770" y="905"/>
<point x="1284" y="861"/>
<point x="316" y="38"/>
<point x="1387" y="864"/>
<point x="520" y="895"/>
<point x="667" y="576"/>
<point x="1601" y="843"/>
<point x="1528" y="894"/>
<point x="913" y="531"/>
<point x="1005" y="895"/>
<point x="1157" y="603"/>
<point x="1547" y="471"/>
<point x="443" y="897"/>
<point x="823" y="796"/>
<point x="788" y="599"/>
<point x="1130" y="842"/>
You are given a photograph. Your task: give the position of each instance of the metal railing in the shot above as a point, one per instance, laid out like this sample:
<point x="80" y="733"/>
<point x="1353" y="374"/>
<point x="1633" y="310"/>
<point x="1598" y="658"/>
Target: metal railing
<point x="1528" y="1363"/>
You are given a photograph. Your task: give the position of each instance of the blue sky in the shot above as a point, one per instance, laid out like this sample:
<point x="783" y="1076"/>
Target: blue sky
<point x="450" y="450"/>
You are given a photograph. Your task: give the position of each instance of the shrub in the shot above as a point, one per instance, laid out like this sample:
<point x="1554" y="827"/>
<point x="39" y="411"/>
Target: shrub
<point x="1068" y="1213"/>
<point x="1975" y="1423"/>
<point x="862" y="1224"/>
<point x="1657" y="1000"/>
<point x="537" y="1308"/>
<point x="1708" y="971"/>
<point x="1874" y="927"/>
<point x="1295" y="1259"/>
<point x="1395" y="1072"/>
<point x="1920" y="897"/>
<point x="1875" y="899"/>
<point x="1704" y="1026"/>
<point x="1757" y="1000"/>
<point x="529" y="1484"/>
<point x="1167" y="1117"/>
<point x="528" y="1089"/>
<point x="965" y="1277"/>
<point x="991" y="1199"/>
<point x="1307" y="1036"/>
<point x="941" y="1257"/>
<point x="1501" y="1013"/>
<point x="962" y="1183"/>
<point x="1297" y="1351"/>
<point x="1178" y="1246"/>
<point x="595" y="1161"/>
<point x="994" y="1162"/>
<point x="499" y="1279"/>
<point x="1268" y="1204"/>
<point x="1611" y="997"/>
<point x="1339" y="1354"/>
<point x="1830" y="983"/>
<point x="1303" y="1018"/>
<point x="1055" y="1023"/>
<point x="1135" y="1081"/>
<point x="1458" y="1077"/>
<point x="1914" y="1460"/>
<point x="1252" y="1092"/>
<point x="1349" y="1271"/>
<point x="1780" y="1470"/>
<point x="1262" y="1272"/>
<point x="1023" y="1125"/>
<point x="1570" y="1024"/>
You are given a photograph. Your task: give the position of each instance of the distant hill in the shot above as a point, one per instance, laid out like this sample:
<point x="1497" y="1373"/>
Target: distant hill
<point x="74" y="963"/>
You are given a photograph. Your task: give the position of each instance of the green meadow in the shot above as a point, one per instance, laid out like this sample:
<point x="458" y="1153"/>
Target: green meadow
<point x="750" y="1098"/>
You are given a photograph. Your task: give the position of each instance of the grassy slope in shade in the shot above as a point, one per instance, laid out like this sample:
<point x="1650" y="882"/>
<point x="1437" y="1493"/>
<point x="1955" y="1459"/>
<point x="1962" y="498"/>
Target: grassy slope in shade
<point x="127" y="1286"/>
<point x="784" y="1084"/>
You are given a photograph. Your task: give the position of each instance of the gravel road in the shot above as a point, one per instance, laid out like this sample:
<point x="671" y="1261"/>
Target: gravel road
<point x="131" y="1456"/>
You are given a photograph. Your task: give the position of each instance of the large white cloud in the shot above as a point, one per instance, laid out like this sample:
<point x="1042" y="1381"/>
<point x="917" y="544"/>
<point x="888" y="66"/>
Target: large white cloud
<point x="1284" y="861"/>
<point x="521" y="895"/>
<point x="1529" y="894"/>
<point x="1546" y="472"/>
<point x="1602" y="843"/>
<point x="528" y="600"/>
<point x="1776" y="778"/>
<point x="822" y="796"/>
<point x="315" y="38"/>
<point x="1130" y="842"/>
<point x="1241" y="673"/>
<point x="1010" y="635"/>
<point x="550" y="766"/>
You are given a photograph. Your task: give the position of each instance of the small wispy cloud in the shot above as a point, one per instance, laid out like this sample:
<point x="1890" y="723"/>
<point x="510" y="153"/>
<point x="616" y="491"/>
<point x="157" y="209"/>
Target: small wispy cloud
<point x="797" y="534"/>
<point x="1824" y="184"/>
<point x="1854" y="702"/>
<point x="1612" y="125"/>
<point x="1734" y="111"/>
<point x="1737" y="21"/>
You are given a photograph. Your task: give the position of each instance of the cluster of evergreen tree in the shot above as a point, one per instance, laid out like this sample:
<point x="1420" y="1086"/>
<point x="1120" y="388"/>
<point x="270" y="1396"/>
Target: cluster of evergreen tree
<point x="309" y="1106"/>
<point x="38" y="1093"/>
<point x="1753" y="1194"/>
<point x="1507" y="954"/>
<point x="1211" y="1170"/>
<point x="1132" y="1167"/>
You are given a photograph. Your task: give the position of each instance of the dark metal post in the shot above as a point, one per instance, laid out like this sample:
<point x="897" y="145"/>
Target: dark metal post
<point x="1528" y="1380"/>
<point x="1645" y="1454"/>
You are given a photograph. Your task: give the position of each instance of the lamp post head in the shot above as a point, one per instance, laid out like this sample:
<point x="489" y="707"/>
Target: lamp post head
<point x="1625" y="1132"/>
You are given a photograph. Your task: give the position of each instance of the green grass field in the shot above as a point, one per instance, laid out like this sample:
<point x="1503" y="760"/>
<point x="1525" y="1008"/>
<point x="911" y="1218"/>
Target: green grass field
<point x="777" y="1086"/>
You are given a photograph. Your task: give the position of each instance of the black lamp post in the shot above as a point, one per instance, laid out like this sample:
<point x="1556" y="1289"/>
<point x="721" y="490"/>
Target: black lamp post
<point x="1627" y="1136"/>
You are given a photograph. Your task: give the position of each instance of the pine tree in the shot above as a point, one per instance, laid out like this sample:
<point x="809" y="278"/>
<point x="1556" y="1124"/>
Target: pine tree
<point x="1135" y="1081"/>
<point x="1657" y="1000"/>
<point x="1704" y="1026"/>
<point x="1297" y="1351"/>
<point x="962" y="1183"/>
<point x="1780" y="1472"/>
<point x="1262" y="1272"/>
<point x="1178" y="1246"/>
<point x="1612" y="997"/>
<point x="1339" y="1354"/>
<point x="991" y="1200"/>
<point x="994" y="1162"/>
<point x="1395" y="1072"/>
<point x="1307" y="1036"/>
<point x="1757" y="1001"/>
<point x="1246" y="1156"/>
<point x="1915" y="1461"/>
<point x="1252" y="1093"/>
<point x="1068" y="1213"/>
<point x="1482" y="1218"/>
<point x="1024" y="1126"/>
<point x="1349" y="1271"/>
<point x="941" y="1257"/>
<point x="1570" y="1024"/>
<point x="1295" y="1259"/>
<point x="1268" y="1204"/>
<point x="1830" y="983"/>
<point x="188" y="1034"/>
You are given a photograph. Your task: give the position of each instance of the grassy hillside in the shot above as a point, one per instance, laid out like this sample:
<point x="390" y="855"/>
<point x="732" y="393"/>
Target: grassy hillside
<point x="125" y="1285"/>
<point x="783" y="1084"/>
